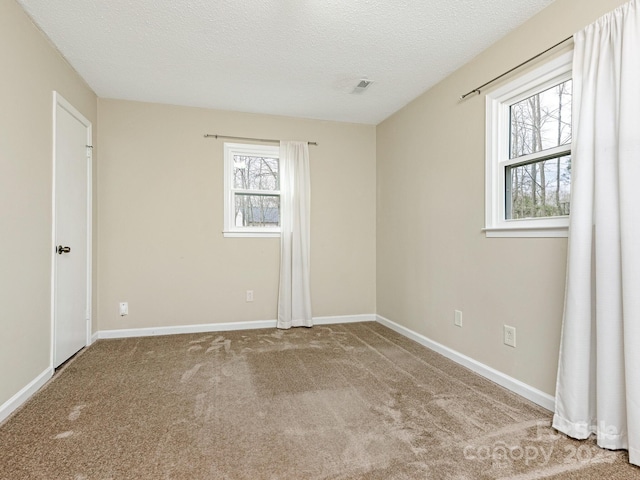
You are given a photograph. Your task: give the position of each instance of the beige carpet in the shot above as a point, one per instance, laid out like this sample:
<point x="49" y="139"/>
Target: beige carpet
<point x="332" y="402"/>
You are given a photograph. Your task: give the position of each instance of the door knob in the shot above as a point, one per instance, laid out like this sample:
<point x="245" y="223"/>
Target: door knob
<point x="62" y="249"/>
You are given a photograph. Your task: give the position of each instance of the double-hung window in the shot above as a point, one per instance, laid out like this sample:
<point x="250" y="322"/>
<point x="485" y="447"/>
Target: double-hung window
<point x="528" y="156"/>
<point x="252" y="190"/>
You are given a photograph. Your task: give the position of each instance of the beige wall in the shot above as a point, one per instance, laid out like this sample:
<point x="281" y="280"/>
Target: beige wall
<point x="160" y="214"/>
<point x="432" y="256"/>
<point x="30" y="70"/>
<point x="161" y="218"/>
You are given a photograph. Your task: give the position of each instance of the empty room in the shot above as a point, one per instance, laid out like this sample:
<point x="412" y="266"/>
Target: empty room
<point x="319" y="240"/>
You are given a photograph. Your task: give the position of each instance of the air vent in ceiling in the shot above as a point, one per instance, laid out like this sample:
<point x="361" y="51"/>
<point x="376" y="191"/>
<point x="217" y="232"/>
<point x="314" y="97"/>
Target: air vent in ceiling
<point x="362" y="85"/>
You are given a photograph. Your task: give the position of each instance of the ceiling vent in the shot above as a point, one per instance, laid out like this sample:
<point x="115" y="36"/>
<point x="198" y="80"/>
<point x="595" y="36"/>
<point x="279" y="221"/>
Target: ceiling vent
<point x="362" y="85"/>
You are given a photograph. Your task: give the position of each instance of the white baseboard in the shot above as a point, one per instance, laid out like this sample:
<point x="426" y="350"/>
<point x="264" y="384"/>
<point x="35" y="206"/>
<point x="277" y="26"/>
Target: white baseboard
<point x="10" y="406"/>
<point x="179" y="329"/>
<point x="222" y="327"/>
<point x="527" y="391"/>
<point x="367" y="317"/>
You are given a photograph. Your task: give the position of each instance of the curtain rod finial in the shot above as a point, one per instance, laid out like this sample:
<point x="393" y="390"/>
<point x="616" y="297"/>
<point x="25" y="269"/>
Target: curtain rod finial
<point x="476" y="90"/>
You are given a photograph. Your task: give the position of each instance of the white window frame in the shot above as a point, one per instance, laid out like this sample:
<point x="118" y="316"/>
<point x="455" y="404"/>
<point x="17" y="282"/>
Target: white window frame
<point x="497" y="158"/>
<point x="231" y="150"/>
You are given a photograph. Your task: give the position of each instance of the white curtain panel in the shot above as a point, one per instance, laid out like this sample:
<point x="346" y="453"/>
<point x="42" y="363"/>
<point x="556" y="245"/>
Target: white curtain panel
<point x="294" y="299"/>
<point x="598" y="389"/>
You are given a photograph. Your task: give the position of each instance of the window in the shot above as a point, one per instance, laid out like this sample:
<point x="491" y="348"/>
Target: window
<point x="528" y="158"/>
<point x="252" y="190"/>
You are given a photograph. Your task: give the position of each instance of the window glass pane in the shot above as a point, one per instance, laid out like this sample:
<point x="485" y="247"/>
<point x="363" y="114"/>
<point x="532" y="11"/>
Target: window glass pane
<point x="539" y="189"/>
<point x="541" y="121"/>
<point x="255" y="173"/>
<point x="257" y="210"/>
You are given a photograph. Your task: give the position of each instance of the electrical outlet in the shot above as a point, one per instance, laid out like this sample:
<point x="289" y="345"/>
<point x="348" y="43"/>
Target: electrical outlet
<point x="124" y="309"/>
<point x="249" y="295"/>
<point x="457" y="319"/>
<point x="510" y="336"/>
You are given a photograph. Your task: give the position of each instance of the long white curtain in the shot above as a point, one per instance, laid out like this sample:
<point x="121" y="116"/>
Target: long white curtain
<point x="294" y="299"/>
<point x="598" y="389"/>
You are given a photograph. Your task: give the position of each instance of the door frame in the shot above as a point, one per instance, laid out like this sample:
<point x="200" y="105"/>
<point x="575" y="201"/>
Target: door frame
<point x="59" y="101"/>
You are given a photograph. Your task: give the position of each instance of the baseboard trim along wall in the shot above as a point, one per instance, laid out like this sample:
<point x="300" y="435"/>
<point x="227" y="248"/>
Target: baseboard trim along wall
<point x="180" y="329"/>
<point x="527" y="391"/>
<point x="11" y="405"/>
<point x="222" y="327"/>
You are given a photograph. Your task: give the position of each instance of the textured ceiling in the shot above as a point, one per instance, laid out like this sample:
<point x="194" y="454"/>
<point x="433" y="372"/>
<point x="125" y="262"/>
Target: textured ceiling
<point x="299" y="58"/>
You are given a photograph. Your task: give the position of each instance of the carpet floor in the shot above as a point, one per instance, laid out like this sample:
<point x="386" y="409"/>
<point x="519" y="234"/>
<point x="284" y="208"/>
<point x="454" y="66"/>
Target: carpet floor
<point x="354" y="401"/>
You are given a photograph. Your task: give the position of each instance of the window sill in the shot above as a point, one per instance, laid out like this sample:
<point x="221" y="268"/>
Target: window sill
<point x="532" y="231"/>
<point x="251" y="234"/>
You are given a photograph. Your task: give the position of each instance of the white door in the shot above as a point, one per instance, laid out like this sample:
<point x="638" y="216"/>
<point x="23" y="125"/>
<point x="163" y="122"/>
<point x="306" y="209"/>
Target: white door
<point x="72" y="214"/>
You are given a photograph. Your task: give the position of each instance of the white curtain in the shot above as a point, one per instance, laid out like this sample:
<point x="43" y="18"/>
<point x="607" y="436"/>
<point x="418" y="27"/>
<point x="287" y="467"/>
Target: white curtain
<point x="598" y="389"/>
<point x="294" y="299"/>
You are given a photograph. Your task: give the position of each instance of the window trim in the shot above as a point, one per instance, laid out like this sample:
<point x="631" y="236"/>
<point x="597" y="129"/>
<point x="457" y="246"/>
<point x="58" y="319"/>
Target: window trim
<point x="497" y="152"/>
<point x="231" y="149"/>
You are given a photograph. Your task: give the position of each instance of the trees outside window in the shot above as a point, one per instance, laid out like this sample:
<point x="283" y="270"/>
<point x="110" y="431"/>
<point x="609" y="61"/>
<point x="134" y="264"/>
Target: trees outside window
<point x="540" y="188"/>
<point x="528" y="153"/>
<point x="252" y="190"/>
<point x="256" y="183"/>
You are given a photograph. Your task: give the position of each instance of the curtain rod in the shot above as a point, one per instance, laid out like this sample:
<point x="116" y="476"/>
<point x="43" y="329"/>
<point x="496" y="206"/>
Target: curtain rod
<point x="208" y="135"/>
<point x="477" y="89"/>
